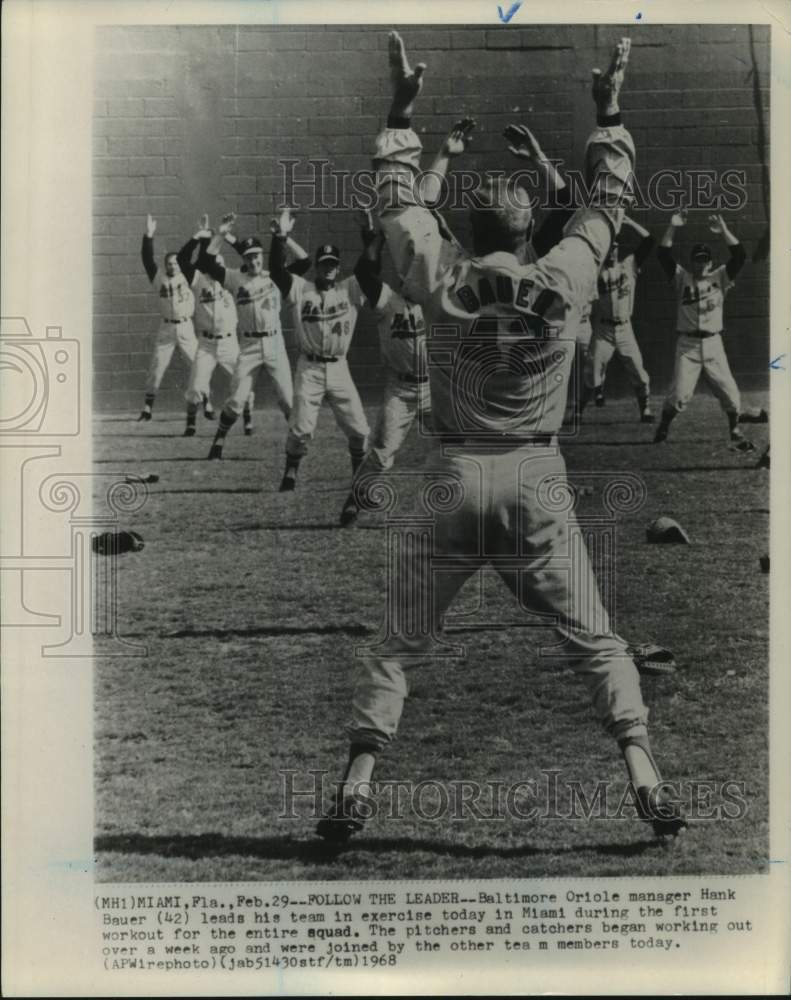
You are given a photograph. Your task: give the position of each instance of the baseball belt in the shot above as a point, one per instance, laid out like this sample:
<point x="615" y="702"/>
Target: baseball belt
<point x="184" y="319"/>
<point x="505" y="442"/>
<point x="320" y="358"/>
<point x="700" y="334"/>
<point x="615" y="322"/>
<point x="412" y="379"/>
<point x="215" y="336"/>
<point x="256" y="334"/>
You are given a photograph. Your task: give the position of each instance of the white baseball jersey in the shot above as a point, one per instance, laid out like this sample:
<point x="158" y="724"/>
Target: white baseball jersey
<point x="701" y="301"/>
<point x="501" y="334"/>
<point x="325" y="320"/>
<point x="257" y="300"/>
<point x="402" y="333"/>
<point x="215" y="311"/>
<point x="616" y="291"/>
<point x="176" y="301"/>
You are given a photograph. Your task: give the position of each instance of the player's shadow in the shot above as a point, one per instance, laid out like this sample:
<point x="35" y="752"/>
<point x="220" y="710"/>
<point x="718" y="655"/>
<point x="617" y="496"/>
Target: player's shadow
<point x="265" y="631"/>
<point x="306" y="526"/>
<point x="217" y="845"/>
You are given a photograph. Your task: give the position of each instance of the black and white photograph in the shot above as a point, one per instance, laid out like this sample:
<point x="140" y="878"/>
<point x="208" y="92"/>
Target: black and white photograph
<point x="421" y="568"/>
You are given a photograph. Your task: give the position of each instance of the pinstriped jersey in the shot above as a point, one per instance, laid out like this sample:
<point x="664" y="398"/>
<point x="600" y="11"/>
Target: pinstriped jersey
<point x="402" y="333"/>
<point x="701" y="302"/>
<point x="215" y="311"/>
<point x="616" y="287"/>
<point x="176" y="301"/>
<point x="325" y="320"/>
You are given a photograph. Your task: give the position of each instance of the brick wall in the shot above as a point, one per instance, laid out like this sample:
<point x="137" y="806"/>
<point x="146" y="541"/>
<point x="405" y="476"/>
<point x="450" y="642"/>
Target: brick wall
<point x="189" y="119"/>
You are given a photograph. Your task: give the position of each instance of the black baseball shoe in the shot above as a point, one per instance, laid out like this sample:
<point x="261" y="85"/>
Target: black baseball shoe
<point x="189" y="431"/>
<point x="288" y="483"/>
<point x="349" y="513"/>
<point x="209" y="413"/>
<point x="661" y="433"/>
<point x="664" y="815"/>
<point x="598" y="397"/>
<point x="341" y="822"/>
<point x="215" y="452"/>
<point x="763" y="461"/>
<point x="144" y="415"/>
<point x="741" y="442"/>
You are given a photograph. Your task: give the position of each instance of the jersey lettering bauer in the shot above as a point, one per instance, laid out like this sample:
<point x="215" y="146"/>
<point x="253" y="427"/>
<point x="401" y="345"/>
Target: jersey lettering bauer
<point x="402" y="333"/>
<point x="325" y="320"/>
<point x="215" y="311"/>
<point x="176" y="301"/>
<point x="257" y="300"/>
<point x="700" y="303"/>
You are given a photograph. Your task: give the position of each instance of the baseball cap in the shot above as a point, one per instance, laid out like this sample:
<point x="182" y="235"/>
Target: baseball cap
<point x="701" y="251"/>
<point x="251" y="245"/>
<point x="328" y="252"/>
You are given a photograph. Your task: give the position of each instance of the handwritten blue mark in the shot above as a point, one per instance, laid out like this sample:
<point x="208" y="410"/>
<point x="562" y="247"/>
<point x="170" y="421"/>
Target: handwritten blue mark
<point x="638" y="16"/>
<point x="776" y="363"/>
<point x="506" y="17"/>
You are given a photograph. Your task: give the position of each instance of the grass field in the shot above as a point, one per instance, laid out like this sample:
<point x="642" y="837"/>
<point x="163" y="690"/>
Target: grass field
<point x="251" y="602"/>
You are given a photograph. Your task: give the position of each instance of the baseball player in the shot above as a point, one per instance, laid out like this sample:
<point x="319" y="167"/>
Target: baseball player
<point x="258" y="306"/>
<point x="613" y="333"/>
<point x="700" y="294"/>
<point x="176" y="305"/>
<point x="215" y="327"/>
<point x="497" y="402"/>
<point x="325" y="315"/>
<point x="402" y="343"/>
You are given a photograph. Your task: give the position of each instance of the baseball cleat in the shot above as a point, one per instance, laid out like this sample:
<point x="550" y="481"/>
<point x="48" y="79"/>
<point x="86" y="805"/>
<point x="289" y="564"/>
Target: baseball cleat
<point x="288" y="483"/>
<point x="598" y="397"/>
<point x="189" y="432"/>
<point x="341" y="822"/>
<point x="145" y="415"/>
<point x="741" y="442"/>
<point x="248" y="430"/>
<point x="209" y="413"/>
<point x="665" y="816"/>
<point x="661" y="434"/>
<point x="215" y="452"/>
<point x="763" y="461"/>
<point x="646" y="416"/>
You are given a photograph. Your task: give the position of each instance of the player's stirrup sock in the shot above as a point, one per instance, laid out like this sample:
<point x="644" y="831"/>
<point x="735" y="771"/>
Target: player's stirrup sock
<point x="362" y="760"/>
<point x="640" y="762"/>
<point x="227" y="420"/>
<point x="292" y="465"/>
<point x="247" y="416"/>
<point x="148" y="402"/>
<point x="192" y="409"/>
<point x="357" y="457"/>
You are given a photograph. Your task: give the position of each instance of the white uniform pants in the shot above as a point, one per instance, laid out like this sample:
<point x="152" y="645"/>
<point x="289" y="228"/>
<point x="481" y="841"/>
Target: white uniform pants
<point x="256" y="353"/>
<point x="618" y="340"/>
<point x="500" y="519"/>
<point x="696" y="356"/>
<point x="211" y="354"/>
<point x="315" y="381"/>
<point x="402" y="403"/>
<point x="169" y="337"/>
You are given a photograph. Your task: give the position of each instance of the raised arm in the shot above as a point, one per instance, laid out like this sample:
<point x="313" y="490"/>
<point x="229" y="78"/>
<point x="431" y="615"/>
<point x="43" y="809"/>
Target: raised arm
<point x="147" y="249"/>
<point x="646" y="244"/>
<point x="200" y="239"/>
<point x="301" y="263"/>
<point x="278" y="272"/>
<point x="430" y="185"/>
<point x="367" y="268"/>
<point x="737" y="251"/>
<point x="664" y="253"/>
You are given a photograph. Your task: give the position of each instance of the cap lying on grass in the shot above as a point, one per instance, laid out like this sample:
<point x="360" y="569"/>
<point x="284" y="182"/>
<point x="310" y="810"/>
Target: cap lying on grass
<point x="666" y="531"/>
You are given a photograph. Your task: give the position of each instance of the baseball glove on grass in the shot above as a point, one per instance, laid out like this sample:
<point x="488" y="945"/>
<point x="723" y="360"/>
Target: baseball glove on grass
<point x="652" y="660"/>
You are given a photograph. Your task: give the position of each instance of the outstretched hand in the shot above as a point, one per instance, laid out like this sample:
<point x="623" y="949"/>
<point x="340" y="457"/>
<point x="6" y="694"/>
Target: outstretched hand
<point x="151" y="226"/>
<point x="407" y="83"/>
<point x="283" y="224"/>
<point x="203" y="229"/>
<point x="227" y="223"/>
<point x="717" y="224"/>
<point x="523" y="143"/>
<point x="459" y="137"/>
<point x="607" y="86"/>
<point x="679" y="218"/>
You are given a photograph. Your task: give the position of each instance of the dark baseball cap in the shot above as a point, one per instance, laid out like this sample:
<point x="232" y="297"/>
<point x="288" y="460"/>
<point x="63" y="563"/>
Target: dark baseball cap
<point x="328" y="252"/>
<point x="251" y="245"/>
<point x="701" y="251"/>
